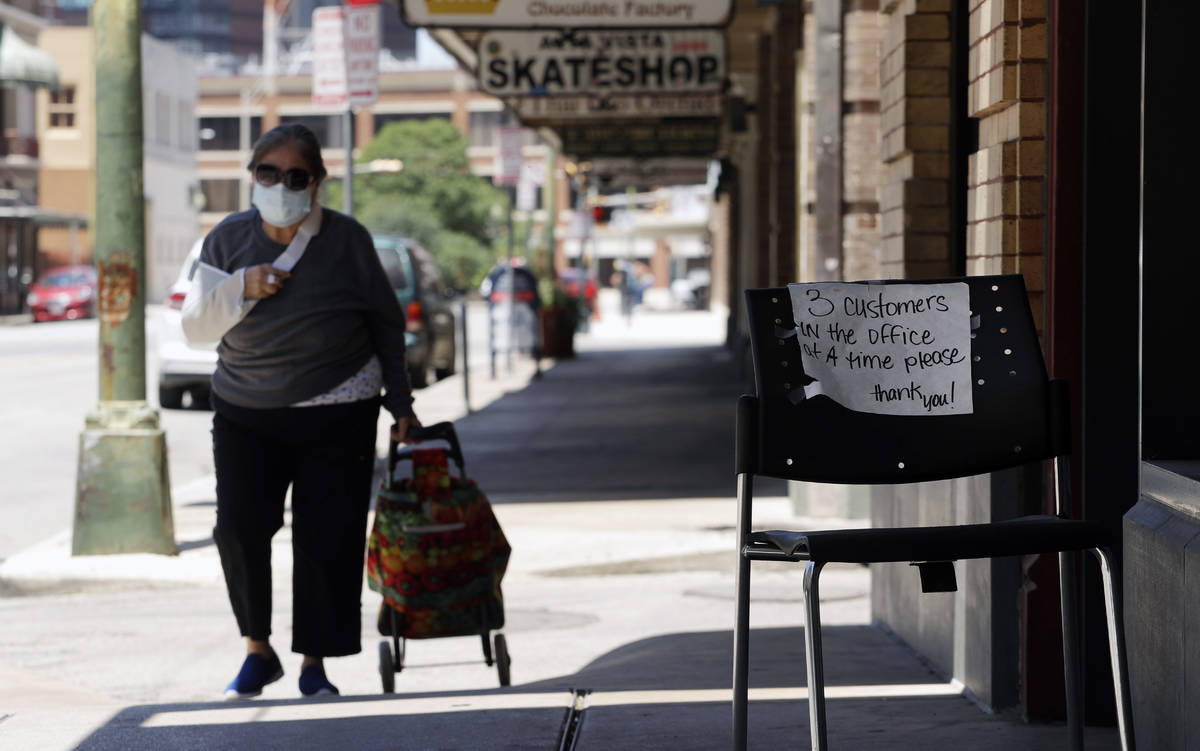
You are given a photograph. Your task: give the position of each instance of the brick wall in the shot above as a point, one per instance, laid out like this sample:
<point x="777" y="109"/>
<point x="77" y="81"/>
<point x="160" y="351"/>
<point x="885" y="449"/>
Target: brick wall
<point x="1006" y="196"/>
<point x="863" y="171"/>
<point x="972" y="634"/>
<point x="806" y="145"/>
<point x="915" y="100"/>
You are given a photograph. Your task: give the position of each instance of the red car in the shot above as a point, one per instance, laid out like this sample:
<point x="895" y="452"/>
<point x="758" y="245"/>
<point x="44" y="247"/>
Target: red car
<point x="63" y="293"/>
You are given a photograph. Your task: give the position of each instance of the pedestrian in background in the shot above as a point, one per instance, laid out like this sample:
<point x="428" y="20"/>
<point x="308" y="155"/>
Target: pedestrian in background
<point x="310" y="332"/>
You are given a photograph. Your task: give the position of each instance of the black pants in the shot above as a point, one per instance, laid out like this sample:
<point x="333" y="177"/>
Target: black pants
<point x="327" y="455"/>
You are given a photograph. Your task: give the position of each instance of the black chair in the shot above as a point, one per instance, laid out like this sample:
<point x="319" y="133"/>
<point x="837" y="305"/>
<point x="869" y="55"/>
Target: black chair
<point x="1019" y="416"/>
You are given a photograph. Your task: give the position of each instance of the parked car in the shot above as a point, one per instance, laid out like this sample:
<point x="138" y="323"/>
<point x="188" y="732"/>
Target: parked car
<point x="182" y="368"/>
<point x="430" y="338"/>
<point x="63" y="293"/>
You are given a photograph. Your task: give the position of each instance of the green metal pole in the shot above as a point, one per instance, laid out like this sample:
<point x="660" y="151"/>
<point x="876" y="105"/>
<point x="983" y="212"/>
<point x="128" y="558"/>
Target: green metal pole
<point x="122" y="494"/>
<point x="120" y="222"/>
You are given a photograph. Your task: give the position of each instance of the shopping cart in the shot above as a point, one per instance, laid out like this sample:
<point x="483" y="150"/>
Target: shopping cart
<point x="437" y="554"/>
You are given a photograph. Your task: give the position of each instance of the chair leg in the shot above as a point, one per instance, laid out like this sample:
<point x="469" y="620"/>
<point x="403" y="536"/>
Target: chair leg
<point x="812" y="656"/>
<point x="741" y="622"/>
<point x="1116" y="645"/>
<point x="1070" y="640"/>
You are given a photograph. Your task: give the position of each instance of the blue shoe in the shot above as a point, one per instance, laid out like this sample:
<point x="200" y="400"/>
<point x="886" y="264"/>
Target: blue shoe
<point x="257" y="671"/>
<point x="314" y="683"/>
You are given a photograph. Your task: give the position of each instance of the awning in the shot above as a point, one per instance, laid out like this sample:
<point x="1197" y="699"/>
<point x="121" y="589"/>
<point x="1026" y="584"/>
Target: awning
<point x="21" y="62"/>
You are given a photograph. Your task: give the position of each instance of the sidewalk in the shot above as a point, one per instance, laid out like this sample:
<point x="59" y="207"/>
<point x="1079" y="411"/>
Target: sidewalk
<point x="612" y="477"/>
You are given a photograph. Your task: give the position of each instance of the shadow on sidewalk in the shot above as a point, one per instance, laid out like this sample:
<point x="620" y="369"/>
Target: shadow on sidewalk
<point x="665" y="692"/>
<point x="616" y="424"/>
<point x="521" y="717"/>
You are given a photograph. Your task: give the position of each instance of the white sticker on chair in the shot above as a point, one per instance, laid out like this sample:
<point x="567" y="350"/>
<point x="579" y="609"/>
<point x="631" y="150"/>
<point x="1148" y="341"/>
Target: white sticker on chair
<point x="895" y="349"/>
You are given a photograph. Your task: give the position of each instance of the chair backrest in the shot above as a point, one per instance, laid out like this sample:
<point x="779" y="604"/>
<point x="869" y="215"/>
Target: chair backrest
<point x="1018" y="415"/>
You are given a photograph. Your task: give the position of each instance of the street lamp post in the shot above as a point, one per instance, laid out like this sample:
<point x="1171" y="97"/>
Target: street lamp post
<point x="122" y="493"/>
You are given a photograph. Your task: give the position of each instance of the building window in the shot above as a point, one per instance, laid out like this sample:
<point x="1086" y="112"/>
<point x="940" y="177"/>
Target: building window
<point x="327" y="128"/>
<point x="396" y="117"/>
<point x="223" y="133"/>
<point x="62" y="107"/>
<point x="223" y="195"/>
<point x="483" y="126"/>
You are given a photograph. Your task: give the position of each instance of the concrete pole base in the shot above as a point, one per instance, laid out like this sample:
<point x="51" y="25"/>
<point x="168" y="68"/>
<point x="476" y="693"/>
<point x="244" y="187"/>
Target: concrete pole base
<point x="122" y="489"/>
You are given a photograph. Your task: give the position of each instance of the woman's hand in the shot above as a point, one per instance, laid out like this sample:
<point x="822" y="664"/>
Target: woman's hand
<point x="401" y="428"/>
<point x="262" y="281"/>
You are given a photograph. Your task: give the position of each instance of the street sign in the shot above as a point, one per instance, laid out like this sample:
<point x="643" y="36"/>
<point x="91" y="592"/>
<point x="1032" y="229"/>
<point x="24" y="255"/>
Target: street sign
<point x="642" y="139"/>
<point x="553" y="63"/>
<point x="329" y="57"/>
<point x="346" y="55"/>
<point x="566" y="14"/>
<point x="362" y="53"/>
<point x="556" y="111"/>
<point x="506" y="167"/>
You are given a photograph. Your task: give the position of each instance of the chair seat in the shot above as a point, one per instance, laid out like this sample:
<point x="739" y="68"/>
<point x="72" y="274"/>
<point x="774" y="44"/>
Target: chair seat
<point x="1024" y="536"/>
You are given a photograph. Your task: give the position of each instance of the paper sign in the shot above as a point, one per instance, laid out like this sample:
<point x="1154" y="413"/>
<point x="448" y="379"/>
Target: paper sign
<point x="890" y="349"/>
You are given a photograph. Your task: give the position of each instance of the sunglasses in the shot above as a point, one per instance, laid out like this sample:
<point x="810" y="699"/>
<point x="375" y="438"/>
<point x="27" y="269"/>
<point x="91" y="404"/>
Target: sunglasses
<point x="267" y="175"/>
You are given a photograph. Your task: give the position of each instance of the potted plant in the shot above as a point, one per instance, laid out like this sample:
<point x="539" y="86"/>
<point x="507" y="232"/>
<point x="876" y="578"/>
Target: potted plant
<point x="558" y="319"/>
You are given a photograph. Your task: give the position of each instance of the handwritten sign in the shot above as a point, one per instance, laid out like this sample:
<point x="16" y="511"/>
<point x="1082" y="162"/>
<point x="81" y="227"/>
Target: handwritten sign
<point x="891" y="349"/>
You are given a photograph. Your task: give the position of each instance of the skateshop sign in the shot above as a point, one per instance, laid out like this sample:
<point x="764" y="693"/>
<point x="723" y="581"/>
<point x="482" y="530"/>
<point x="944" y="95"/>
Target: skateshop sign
<point x="524" y="63"/>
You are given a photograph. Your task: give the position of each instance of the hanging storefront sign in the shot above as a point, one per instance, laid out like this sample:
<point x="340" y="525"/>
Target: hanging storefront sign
<point x="622" y="173"/>
<point x="563" y="110"/>
<point x="506" y="165"/>
<point x="537" y="63"/>
<point x="566" y="14"/>
<point x="642" y="139"/>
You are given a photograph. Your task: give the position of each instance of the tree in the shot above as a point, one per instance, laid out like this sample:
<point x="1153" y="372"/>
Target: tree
<point x="434" y="199"/>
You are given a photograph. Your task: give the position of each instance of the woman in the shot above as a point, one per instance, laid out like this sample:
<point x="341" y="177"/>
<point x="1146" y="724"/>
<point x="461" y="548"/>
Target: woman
<point x="310" y="331"/>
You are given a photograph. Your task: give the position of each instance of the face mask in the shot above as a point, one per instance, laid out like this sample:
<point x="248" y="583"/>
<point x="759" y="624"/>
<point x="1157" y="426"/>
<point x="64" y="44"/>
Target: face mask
<point x="280" y="206"/>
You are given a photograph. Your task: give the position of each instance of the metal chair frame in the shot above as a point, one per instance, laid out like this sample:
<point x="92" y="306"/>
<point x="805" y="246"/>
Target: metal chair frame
<point x="1058" y="534"/>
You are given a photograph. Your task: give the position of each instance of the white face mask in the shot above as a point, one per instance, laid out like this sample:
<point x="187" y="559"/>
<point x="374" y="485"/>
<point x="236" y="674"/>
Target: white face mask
<point x="280" y="206"/>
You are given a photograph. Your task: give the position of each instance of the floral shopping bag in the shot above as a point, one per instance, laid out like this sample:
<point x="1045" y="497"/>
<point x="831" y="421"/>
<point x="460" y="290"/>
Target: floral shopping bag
<point x="436" y="553"/>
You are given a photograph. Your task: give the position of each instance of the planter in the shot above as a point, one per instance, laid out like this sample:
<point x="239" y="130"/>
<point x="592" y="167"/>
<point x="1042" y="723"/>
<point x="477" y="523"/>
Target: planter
<point x="558" y="332"/>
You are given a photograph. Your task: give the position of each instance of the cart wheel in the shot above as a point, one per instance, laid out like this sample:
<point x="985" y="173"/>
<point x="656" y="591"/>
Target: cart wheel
<point x="387" y="669"/>
<point x="401" y="653"/>
<point x="502" y="660"/>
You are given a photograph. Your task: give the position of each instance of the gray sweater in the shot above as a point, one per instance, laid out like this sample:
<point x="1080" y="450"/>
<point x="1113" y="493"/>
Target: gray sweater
<point x="332" y="314"/>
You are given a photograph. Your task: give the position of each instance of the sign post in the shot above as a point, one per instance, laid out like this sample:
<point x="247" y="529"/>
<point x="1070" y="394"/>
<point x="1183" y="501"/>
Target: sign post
<point x="346" y="69"/>
<point x="507" y="171"/>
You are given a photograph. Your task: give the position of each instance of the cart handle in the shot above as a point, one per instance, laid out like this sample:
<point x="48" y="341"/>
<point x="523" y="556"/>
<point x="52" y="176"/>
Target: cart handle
<point x="438" y="431"/>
